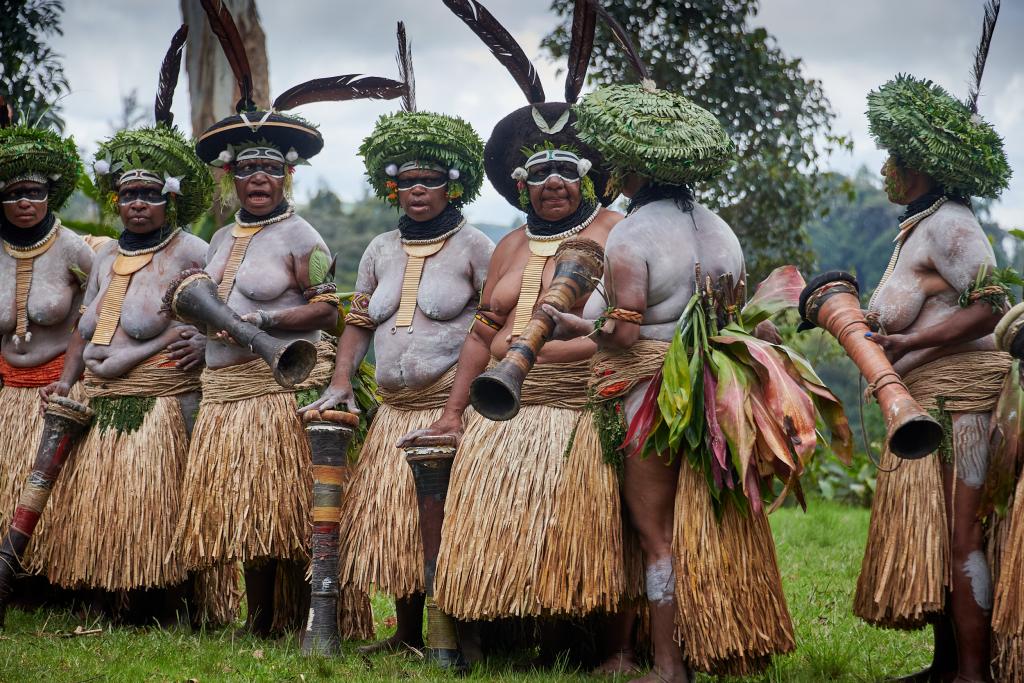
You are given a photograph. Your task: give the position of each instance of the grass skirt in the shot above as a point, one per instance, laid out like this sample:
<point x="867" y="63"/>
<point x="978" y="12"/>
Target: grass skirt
<point x="22" y="426"/>
<point x="110" y="519"/>
<point x="380" y="544"/>
<point x="530" y="530"/>
<point x="247" y="491"/>
<point x="731" y="613"/>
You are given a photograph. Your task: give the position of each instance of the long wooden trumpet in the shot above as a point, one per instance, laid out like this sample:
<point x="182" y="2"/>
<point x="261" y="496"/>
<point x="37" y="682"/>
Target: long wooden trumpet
<point x="579" y="264"/>
<point x="431" y="459"/>
<point x="831" y="301"/>
<point x="64" y="423"/>
<point x="192" y="298"/>
<point x="329" y="434"/>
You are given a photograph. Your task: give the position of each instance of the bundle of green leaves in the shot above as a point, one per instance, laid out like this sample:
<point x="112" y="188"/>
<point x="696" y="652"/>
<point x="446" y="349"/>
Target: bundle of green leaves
<point x="743" y="410"/>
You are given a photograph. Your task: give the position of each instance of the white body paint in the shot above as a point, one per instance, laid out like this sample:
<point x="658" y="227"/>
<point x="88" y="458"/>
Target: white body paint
<point x="976" y="569"/>
<point x="448" y="295"/>
<point x="660" y="580"/>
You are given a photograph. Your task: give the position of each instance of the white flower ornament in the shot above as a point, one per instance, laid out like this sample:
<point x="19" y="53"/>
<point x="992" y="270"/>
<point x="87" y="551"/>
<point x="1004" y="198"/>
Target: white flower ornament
<point x="225" y="157"/>
<point x="453" y="173"/>
<point x="172" y="185"/>
<point x="101" y="167"/>
<point x="584" y="166"/>
<point x="520" y="173"/>
<point x="391" y="170"/>
<point x="292" y="156"/>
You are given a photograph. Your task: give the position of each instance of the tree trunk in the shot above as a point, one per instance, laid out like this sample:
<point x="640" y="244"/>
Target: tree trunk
<point x="211" y="85"/>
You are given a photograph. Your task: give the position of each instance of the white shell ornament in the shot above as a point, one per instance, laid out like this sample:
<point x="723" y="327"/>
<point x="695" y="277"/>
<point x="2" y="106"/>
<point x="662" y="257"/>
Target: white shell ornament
<point x="520" y="173"/>
<point x="101" y="167"/>
<point x="225" y="157"/>
<point x="172" y="185"/>
<point x="292" y="156"/>
<point x="453" y="173"/>
<point x="391" y="170"/>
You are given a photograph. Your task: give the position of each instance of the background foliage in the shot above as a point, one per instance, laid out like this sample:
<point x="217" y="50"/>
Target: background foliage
<point x="31" y="74"/>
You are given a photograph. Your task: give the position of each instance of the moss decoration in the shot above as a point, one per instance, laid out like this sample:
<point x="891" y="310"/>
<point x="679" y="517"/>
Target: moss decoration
<point x="123" y="413"/>
<point x="655" y="133"/>
<point x="932" y="132"/>
<point x="407" y="136"/>
<point x="164" y="151"/>
<point x="24" y="149"/>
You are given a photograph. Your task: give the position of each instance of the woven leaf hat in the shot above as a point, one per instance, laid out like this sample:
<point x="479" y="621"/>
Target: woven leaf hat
<point x="161" y="149"/>
<point x="655" y="133"/>
<point x="932" y="132"/>
<point x="409" y="135"/>
<point x="27" y="153"/>
<point x="539" y="124"/>
<point x="295" y="138"/>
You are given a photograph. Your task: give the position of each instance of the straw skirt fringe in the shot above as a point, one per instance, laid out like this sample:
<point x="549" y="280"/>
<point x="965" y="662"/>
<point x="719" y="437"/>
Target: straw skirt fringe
<point x="380" y="544"/>
<point x="1006" y="557"/>
<point x="528" y="530"/>
<point x="111" y="516"/>
<point x="731" y="613"/>
<point x="218" y="594"/>
<point x="903" y="576"/>
<point x="247" y="490"/>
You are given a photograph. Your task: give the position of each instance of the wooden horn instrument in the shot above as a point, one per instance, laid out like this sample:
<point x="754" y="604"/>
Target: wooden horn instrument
<point x="431" y="459"/>
<point x="64" y="423"/>
<point x="831" y="301"/>
<point x="192" y="298"/>
<point x="329" y="433"/>
<point x="579" y="264"/>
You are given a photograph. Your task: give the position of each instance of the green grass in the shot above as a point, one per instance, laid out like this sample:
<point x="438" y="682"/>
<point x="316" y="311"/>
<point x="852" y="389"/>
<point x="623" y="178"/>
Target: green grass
<point x="819" y="553"/>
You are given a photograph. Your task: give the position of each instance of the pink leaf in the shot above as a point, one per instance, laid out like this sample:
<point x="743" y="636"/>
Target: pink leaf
<point x="780" y="290"/>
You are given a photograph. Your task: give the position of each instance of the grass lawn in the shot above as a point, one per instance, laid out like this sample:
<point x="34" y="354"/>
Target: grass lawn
<point x="819" y="553"/>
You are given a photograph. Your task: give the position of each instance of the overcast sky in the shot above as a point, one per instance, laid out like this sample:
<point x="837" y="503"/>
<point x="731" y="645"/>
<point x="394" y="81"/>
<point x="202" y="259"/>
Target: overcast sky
<point x="113" y="46"/>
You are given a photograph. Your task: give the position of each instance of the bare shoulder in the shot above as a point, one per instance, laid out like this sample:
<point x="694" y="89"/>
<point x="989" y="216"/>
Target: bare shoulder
<point x="382" y="242"/>
<point x="952" y="219"/>
<point x="302" y="235"/>
<point x="511" y="243"/>
<point x="192" y="248"/>
<point x="221" y="235"/>
<point x="474" y="239"/>
<point x="606" y="220"/>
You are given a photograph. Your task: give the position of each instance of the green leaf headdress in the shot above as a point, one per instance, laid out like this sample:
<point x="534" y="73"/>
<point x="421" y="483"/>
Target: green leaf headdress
<point x="932" y="132"/>
<point x="161" y="150"/>
<point x="655" y="133"/>
<point x="408" y="136"/>
<point x="31" y="153"/>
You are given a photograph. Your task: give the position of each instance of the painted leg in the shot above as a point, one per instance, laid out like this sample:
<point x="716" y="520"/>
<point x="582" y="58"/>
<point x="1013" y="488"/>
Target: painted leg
<point x="618" y="638"/>
<point x="649" y="487"/>
<point x="972" y="580"/>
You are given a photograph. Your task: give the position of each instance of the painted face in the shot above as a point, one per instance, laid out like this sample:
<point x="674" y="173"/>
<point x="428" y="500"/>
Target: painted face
<point x="895" y="183"/>
<point x="259" y="184"/>
<point x="554" y="189"/>
<point x="25" y="203"/>
<point x="142" y="206"/>
<point x="422" y="193"/>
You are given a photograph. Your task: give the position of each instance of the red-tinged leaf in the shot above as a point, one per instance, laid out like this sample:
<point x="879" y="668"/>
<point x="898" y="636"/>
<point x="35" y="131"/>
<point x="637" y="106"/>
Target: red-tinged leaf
<point x="785" y="398"/>
<point x="715" y="437"/>
<point x="770" y="432"/>
<point x="834" y="417"/>
<point x="779" y="291"/>
<point x="752" y="488"/>
<point x="732" y="408"/>
<point x="642" y="424"/>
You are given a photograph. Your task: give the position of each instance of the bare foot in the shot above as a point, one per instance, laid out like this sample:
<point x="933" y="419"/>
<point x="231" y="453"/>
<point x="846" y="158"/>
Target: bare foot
<point x="657" y="675"/>
<point x="618" y="664"/>
<point x="393" y="644"/>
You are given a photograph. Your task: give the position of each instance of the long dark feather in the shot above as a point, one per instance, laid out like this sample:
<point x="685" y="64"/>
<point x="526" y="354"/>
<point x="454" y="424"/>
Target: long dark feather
<point x="405" y="73"/>
<point x="622" y="38"/>
<point x="5" y="113"/>
<point x="988" y="26"/>
<point x="223" y="26"/>
<point x="581" y="46"/>
<point x="501" y="44"/>
<point x="338" y="88"/>
<point x="169" y="77"/>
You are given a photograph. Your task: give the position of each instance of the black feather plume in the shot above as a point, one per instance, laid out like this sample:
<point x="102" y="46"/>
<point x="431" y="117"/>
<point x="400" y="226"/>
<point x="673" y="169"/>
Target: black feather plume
<point x="169" y="77"/>
<point x="405" y="73"/>
<point x="581" y="46"/>
<point x="988" y="26"/>
<point x="223" y="26"/>
<point x="501" y="44"/>
<point x="339" y="88"/>
<point x="622" y="38"/>
<point x="5" y="113"/>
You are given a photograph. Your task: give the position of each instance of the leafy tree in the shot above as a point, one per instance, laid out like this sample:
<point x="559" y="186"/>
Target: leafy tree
<point x="31" y="74"/>
<point x="706" y="50"/>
